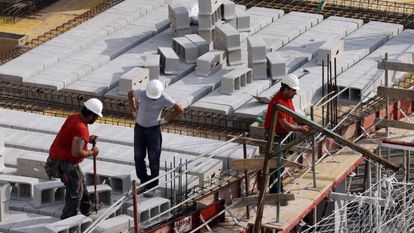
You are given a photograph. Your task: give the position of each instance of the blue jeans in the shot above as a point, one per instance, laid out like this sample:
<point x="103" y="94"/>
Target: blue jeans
<point x="147" y="139"/>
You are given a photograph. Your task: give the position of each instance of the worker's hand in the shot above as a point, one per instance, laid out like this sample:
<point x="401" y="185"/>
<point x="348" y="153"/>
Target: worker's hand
<point x="134" y="114"/>
<point x="93" y="139"/>
<point x="163" y="121"/>
<point x="95" y="151"/>
<point x="304" y="129"/>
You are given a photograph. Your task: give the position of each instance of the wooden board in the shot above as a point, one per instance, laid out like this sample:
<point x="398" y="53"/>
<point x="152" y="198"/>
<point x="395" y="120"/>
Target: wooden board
<point x="396" y="66"/>
<point x="396" y="93"/>
<point x="257" y="164"/>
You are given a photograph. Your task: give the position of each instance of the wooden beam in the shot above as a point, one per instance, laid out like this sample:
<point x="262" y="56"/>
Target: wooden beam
<point x="395" y="93"/>
<point x="394" y="124"/>
<point x="337" y="137"/>
<point x="257" y="164"/>
<point x="396" y="66"/>
<point x="269" y="199"/>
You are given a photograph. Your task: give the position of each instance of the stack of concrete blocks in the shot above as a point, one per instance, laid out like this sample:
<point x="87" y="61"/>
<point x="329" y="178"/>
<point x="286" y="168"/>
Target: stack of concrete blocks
<point x="256" y="56"/>
<point x="48" y="193"/>
<point x="32" y="167"/>
<point x="276" y="66"/>
<point x="240" y="20"/>
<point x="152" y="63"/>
<point x="5" y="191"/>
<point x="121" y="223"/>
<point x="77" y="223"/>
<point x="118" y="179"/>
<point x="21" y="187"/>
<point x="209" y="14"/>
<point x="235" y="80"/>
<point x="136" y="78"/>
<point x="103" y="191"/>
<point x="228" y="9"/>
<point x="332" y="48"/>
<point x="168" y="60"/>
<point x="211" y="62"/>
<point x="150" y="208"/>
<point x="190" y="47"/>
<point x="227" y="38"/>
<point x="180" y="20"/>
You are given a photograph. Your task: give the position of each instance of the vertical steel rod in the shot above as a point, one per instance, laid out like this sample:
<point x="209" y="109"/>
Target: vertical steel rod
<point x="246" y="175"/>
<point x="135" y="203"/>
<point x="313" y="152"/>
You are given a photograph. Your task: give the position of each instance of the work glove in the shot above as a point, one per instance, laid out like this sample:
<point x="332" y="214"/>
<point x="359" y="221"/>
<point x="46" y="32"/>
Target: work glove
<point x="163" y="121"/>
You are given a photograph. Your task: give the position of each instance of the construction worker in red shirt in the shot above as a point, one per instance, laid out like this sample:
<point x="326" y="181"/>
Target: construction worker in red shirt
<point x="69" y="148"/>
<point x="285" y="123"/>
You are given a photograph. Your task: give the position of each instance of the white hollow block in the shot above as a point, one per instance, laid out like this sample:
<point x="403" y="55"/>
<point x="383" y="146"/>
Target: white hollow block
<point x="168" y="60"/>
<point x="136" y="78"/>
<point x="152" y="63"/>
<point x="243" y="22"/>
<point x="333" y="48"/>
<point x="79" y="223"/>
<point x="226" y="38"/>
<point x="202" y="44"/>
<point x="256" y="50"/>
<point x="5" y="190"/>
<point x="210" y="62"/>
<point x="276" y="66"/>
<point x="176" y="32"/>
<point x="234" y="80"/>
<point x="234" y="57"/>
<point x="259" y="70"/>
<point x="228" y="10"/>
<point x="206" y="34"/>
<point x="205" y="22"/>
<point x="179" y="15"/>
<point x="232" y="22"/>
<point x="185" y="49"/>
<point x="208" y="6"/>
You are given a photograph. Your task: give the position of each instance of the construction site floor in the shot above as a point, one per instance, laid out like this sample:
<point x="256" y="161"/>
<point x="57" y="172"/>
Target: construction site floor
<point x="48" y="18"/>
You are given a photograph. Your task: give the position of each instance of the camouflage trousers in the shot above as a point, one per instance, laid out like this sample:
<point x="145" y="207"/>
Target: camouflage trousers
<point x="77" y="197"/>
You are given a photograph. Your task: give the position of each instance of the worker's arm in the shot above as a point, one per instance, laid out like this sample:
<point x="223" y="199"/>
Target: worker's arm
<point x="77" y="148"/>
<point x="293" y="127"/>
<point x="132" y="102"/>
<point x="176" y="110"/>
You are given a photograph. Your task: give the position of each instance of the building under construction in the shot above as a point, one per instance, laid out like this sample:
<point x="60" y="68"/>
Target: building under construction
<point x="222" y="61"/>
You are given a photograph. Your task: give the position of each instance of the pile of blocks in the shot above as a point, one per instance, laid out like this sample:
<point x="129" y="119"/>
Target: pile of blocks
<point x="236" y="18"/>
<point x="211" y="62"/>
<point x="209" y="14"/>
<point x="228" y="39"/>
<point x="180" y="20"/>
<point x="256" y="56"/>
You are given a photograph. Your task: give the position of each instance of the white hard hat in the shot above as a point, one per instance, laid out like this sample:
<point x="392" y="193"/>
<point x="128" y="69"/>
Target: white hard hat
<point x="94" y="105"/>
<point x="154" y="89"/>
<point x="292" y="81"/>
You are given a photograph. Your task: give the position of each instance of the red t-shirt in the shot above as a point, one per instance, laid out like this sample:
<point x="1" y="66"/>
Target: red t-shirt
<point x="61" y="147"/>
<point x="280" y="114"/>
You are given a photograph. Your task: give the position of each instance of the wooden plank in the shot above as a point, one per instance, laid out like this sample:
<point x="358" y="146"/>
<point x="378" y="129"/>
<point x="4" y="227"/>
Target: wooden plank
<point x="396" y="66"/>
<point x="395" y="93"/>
<point x="269" y="199"/>
<point x="337" y="137"/>
<point x="257" y="164"/>
<point x="395" y="124"/>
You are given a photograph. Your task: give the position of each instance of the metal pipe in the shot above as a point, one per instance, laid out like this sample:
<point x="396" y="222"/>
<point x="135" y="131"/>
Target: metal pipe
<point x="135" y="203"/>
<point x="246" y="175"/>
<point x="323" y="91"/>
<point x="313" y="153"/>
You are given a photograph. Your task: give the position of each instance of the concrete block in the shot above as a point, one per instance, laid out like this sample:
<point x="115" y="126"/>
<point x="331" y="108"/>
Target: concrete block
<point x="150" y="207"/>
<point x="232" y="22"/>
<point x="234" y="80"/>
<point x="177" y="32"/>
<point x="256" y="50"/>
<point x="185" y="49"/>
<point x="333" y="48"/>
<point x="5" y="190"/>
<point x="152" y="63"/>
<point x="243" y="22"/>
<point x="210" y="62"/>
<point x="177" y="186"/>
<point x="136" y="78"/>
<point x="234" y="57"/>
<point x="48" y="193"/>
<point x="77" y="223"/>
<point x="226" y="38"/>
<point x="259" y="70"/>
<point x="206" y="34"/>
<point x="31" y="167"/>
<point x="228" y="9"/>
<point x="276" y="66"/>
<point x="179" y="15"/>
<point x="21" y="187"/>
<point x="1" y="143"/>
<point x="121" y="223"/>
<point x="104" y="192"/>
<point x="202" y="44"/>
<point x="168" y="60"/>
<point x="207" y="7"/>
<point x="206" y="22"/>
<point x="274" y="13"/>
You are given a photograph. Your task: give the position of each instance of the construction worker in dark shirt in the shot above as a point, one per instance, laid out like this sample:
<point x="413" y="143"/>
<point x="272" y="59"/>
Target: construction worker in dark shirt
<point x="69" y="148"/>
<point x="285" y="122"/>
